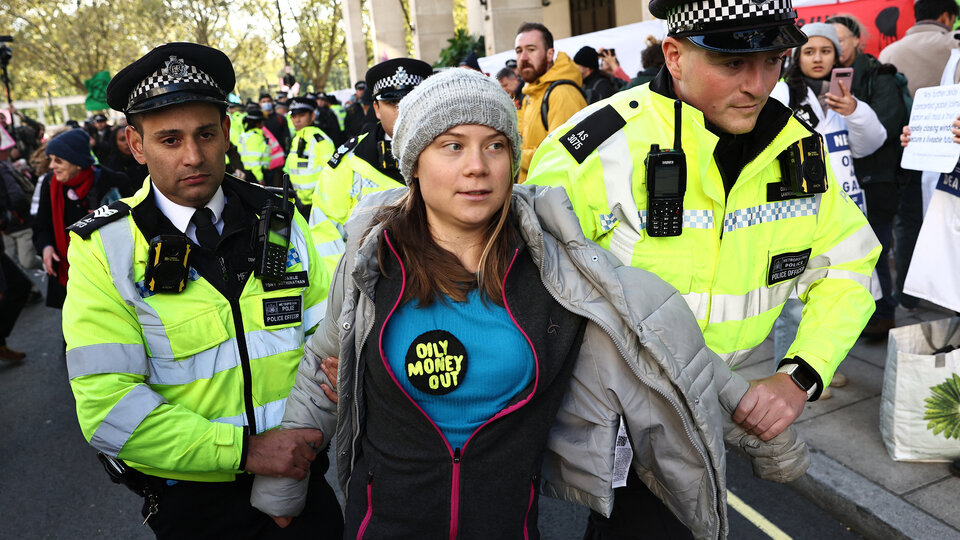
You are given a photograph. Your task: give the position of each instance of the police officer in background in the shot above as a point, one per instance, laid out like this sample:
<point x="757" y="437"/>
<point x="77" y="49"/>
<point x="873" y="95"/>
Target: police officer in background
<point x="357" y="112"/>
<point x="326" y="119"/>
<point x="180" y="357"/>
<point x="718" y="218"/>
<point x="363" y="164"/>
<point x="309" y="152"/>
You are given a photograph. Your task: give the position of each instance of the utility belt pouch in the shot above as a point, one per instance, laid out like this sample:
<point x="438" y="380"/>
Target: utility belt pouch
<point x="137" y="482"/>
<point x="803" y="168"/>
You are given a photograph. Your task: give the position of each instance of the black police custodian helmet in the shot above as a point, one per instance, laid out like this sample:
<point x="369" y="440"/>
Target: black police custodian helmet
<point x="172" y="74"/>
<point x="732" y="26"/>
<point x="392" y="79"/>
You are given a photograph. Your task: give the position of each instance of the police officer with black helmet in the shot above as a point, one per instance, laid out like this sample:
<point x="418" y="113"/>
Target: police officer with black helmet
<point x="181" y="345"/>
<point x="368" y="156"/>
<point x="701" y="161"/>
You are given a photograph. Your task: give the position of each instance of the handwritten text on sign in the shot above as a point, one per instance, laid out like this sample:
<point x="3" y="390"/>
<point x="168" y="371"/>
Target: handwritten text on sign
<point x="931" y="145"/>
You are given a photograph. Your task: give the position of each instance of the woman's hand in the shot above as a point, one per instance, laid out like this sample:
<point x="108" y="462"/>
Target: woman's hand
<point x="905" y="136"/>
<point x="329" y="367"/>
<point x="956" y="130"/>
<point x="50" y="258"/>
<point x="845" y="103"/>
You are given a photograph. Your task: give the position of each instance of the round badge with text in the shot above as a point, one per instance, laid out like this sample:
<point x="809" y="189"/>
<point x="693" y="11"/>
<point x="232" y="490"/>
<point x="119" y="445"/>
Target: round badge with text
<point x="436" y="362"/>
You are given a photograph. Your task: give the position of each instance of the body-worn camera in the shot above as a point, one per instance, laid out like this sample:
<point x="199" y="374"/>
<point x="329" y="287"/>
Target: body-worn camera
<point x="802" y="167"/>
<point x="168" y="266"/>
<point x="666" y="183"/>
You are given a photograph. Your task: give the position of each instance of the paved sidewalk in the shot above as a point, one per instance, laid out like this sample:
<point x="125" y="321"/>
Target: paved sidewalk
<point x="852" y="476"/>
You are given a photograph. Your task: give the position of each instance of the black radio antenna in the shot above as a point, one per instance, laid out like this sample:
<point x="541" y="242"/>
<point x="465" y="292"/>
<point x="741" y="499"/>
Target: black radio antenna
<point x="286" y="190"/>
<point x="677" y="121"/>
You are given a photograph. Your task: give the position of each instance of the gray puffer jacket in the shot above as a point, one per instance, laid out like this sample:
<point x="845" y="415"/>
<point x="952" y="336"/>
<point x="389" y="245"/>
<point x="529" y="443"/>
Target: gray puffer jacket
<point x="642" y="358"/>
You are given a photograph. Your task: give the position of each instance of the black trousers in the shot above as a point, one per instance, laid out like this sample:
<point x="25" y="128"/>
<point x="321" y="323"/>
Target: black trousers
<point x="205" y="510"/>
<point x="637" y="515"/>
<point x="17" y="288"/>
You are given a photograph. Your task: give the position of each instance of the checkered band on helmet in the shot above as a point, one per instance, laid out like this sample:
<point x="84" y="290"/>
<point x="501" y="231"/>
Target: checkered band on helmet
<point x="400" y="79"/>
<point x="175" y="71"/>
<point x="691" y="15"/>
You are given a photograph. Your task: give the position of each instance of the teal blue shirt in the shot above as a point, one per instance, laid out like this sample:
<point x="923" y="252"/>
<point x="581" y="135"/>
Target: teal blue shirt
<point x="461" y="362"/>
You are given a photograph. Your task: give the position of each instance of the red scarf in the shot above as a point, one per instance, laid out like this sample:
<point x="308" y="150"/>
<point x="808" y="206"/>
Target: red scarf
<point x="81" y="185"/>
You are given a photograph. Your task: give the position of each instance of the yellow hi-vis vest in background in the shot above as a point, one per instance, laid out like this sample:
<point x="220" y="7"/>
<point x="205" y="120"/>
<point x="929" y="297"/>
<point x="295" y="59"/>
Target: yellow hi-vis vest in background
<point x="739" y="255"/>
<point x="309" y="153"/>
<point x="255" y="152"/>
<point x="345" y="180"/>
<point x="167" y="381"/>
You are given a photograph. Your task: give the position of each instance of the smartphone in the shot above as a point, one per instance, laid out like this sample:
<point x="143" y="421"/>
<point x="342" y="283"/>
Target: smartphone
<point x="837" y="75"/>
<point x="612" y="52"/>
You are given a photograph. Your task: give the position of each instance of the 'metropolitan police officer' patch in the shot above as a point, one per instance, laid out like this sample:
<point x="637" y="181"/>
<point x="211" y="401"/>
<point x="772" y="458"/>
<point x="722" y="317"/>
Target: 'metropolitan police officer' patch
<point x="787" y="266"/>
<point x="436" y="362"/>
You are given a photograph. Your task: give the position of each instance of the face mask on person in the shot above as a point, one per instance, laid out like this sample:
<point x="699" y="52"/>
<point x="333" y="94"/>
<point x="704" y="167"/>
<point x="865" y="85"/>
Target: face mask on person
<point x="267" y="107"/>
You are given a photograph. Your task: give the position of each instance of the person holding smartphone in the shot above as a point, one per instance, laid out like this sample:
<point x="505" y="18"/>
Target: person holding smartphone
<point x="850" y="129"/>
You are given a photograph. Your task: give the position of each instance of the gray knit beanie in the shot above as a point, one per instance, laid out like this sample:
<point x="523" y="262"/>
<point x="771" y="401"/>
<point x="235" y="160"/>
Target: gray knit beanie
<point x="824" y="30"/>
<point x="451" y="98"/>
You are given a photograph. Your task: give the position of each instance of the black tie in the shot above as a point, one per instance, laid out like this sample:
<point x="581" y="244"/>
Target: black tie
<point x="207" y="233"/>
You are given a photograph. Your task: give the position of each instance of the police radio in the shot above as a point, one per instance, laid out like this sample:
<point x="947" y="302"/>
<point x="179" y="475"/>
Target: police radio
<point x="168" y="264"/>
<point x="273" y="237"/>
<point x="666" y="184"/>
<point x="802" y="167"/>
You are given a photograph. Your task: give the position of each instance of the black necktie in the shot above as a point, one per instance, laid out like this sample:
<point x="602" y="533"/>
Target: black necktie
<point x="207" y="233"/>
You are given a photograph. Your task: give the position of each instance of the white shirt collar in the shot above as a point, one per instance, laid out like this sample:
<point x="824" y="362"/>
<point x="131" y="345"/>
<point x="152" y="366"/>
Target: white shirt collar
<point x="180" y="215"/>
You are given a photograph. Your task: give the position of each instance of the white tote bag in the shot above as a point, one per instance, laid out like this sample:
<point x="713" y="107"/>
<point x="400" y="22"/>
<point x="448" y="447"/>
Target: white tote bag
<point x="920" y="403"/>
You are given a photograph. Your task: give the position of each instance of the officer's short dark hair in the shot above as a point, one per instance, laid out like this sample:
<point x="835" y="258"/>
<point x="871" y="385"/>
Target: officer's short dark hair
<point x="136" y="120"/>
<point x="547" y="36"/>
<point x="926" y="10"/>
<point x="504" y="73"/>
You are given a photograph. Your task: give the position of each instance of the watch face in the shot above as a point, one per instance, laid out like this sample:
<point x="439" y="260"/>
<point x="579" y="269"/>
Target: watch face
<point x="803" y="378"/>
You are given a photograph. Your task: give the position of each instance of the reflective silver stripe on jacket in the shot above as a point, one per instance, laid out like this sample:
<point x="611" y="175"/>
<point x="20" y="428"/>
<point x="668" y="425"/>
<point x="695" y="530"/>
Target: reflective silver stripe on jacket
<point x="740" y="307"/>
<point x="123" y="419"/>
<point x="268" y="416"/>
<point x="618" y="180"/>
<point x="333" y="247"/>
<point x="118" y="242"/>
<point x="313" y="315"/>
<point x="107" y="358"/>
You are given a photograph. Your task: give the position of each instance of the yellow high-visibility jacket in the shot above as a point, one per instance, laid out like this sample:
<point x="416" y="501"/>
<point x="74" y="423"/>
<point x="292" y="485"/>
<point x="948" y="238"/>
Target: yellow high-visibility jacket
<point x="309" y="153"/>
<point x="740" y="254"/>
<point x="254" y="152"/>
<point x="172" y="383"/>
<point x="345" y="180"/>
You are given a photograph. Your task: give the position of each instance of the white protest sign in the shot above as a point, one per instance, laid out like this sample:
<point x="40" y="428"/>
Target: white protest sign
<point x="6" y="141"/>
<point x="931" y="145"/>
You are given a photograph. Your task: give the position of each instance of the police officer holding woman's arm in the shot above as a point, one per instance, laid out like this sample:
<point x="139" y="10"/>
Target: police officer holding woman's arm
<point x="186" y="313"/>
<point x="700" y="178"/>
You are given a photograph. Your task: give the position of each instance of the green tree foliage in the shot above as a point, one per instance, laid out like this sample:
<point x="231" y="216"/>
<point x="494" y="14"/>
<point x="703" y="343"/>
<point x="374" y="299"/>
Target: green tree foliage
<point x="60" y="44"/>
<point x="460" y="45"/>
<point x="322" y="45"/>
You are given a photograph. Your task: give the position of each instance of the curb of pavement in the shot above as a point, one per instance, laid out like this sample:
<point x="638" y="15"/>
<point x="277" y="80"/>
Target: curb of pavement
<point x="866" y="507"/>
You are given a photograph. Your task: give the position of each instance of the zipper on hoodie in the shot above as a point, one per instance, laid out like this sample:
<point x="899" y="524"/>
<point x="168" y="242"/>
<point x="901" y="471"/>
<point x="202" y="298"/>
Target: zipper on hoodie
<point x="455" y="495"/>
<point x="369" y="515"/>
<point x="526" y="517"/>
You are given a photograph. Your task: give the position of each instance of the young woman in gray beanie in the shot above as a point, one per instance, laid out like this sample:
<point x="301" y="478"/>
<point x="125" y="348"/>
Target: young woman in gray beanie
<point x="487" y="351"/>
